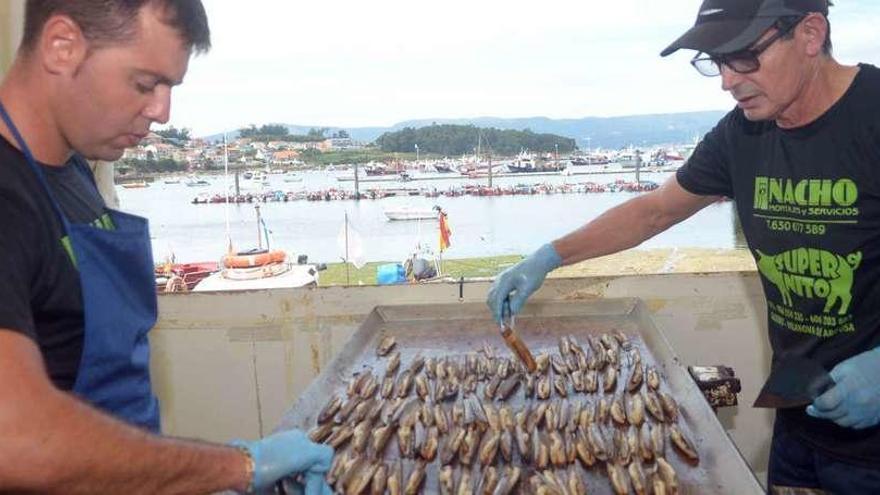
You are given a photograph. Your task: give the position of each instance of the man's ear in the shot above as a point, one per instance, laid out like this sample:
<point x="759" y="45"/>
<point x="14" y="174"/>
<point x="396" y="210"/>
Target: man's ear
<point x="814" y="30"/>
<point x="62" y="46"/>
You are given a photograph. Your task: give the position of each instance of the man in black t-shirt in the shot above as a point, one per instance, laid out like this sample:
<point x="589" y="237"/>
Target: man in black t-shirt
<point x="799" y="155"/>
<point x="77" y="293"/>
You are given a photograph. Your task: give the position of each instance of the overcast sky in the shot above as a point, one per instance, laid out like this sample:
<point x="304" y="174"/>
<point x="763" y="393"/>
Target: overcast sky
<point x="354" y="63"/>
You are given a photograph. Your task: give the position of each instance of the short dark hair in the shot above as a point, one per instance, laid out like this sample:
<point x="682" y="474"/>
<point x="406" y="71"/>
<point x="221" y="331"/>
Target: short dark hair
<point x="784" y="23"/>
<point x="114" y="21"/>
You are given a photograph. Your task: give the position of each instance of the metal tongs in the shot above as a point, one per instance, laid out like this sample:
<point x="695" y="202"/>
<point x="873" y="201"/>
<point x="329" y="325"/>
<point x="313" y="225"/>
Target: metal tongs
<point x="513" y="341"/>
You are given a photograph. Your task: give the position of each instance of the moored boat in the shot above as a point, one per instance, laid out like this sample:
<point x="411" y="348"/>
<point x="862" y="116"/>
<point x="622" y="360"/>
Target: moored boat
<point x="181" y="277"/>
<point x="194" y="181"/>
<point x="135" y="185"/>
<point x="259" y="269"/>
<point x="411" y="213"/>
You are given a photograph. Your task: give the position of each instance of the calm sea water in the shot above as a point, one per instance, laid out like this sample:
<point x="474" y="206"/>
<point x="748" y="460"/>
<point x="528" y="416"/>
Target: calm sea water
<point x="481" y="226"/>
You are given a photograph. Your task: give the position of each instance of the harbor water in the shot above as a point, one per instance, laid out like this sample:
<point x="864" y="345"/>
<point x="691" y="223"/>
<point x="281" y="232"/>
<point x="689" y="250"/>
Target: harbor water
<point x="481" y="226"/>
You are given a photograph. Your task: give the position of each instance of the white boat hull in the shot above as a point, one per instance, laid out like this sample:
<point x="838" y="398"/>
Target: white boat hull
<point x="398" y="215"/>
<point x="297" y="276"/>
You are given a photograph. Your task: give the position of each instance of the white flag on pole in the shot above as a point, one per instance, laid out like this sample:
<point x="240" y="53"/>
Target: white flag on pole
<point x="355" y="245"/>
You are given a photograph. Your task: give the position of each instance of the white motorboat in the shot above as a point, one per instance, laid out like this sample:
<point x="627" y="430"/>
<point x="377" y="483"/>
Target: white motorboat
<point x="280" y="275"/>
<point x="411" y="213"/>
<point x="195" y="181"/>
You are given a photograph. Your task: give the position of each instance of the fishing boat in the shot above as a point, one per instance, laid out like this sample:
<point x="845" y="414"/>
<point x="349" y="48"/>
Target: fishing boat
<point x="443" y="167"/>
<point x="374" y="169"/>
<point x="526" y="163"/>
<point x="629" y="158"/>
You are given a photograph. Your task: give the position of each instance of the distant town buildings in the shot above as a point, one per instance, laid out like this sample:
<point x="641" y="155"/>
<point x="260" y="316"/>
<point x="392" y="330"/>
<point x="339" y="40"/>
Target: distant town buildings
<point x="200" y="154"/>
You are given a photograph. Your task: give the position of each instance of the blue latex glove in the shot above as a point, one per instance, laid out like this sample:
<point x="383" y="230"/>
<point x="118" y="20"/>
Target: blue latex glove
<point x="518" y="282"/>
<point x="287" y="454"/>
<point x="854" y="402"/>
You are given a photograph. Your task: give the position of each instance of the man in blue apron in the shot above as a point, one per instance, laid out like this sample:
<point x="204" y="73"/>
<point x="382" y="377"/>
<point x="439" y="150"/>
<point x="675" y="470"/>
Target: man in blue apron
<point x="799" y="154"/>
<point x="77" y="300"/>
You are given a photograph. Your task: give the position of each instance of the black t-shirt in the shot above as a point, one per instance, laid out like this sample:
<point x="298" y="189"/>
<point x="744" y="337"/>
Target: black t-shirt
<point x="808" y="200"/>
<point x="40" y="293"/>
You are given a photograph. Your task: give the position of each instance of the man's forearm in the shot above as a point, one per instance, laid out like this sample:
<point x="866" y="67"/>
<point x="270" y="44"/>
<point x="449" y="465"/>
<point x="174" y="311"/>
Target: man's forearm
<point x="82" y="450"/>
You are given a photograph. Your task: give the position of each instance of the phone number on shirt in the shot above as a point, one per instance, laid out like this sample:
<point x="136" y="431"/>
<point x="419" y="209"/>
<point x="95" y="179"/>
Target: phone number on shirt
<point x="796" y="227"/>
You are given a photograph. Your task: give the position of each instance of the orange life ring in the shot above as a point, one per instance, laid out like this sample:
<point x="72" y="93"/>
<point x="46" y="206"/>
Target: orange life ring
<point x="251" y="260"/>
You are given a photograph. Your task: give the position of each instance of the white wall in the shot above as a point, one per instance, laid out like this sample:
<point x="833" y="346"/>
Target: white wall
<point x="11" y="23"/>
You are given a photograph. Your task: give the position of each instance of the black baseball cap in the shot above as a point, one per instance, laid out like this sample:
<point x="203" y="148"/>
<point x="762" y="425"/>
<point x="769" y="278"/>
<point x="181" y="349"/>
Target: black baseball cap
<point x="726" y="26"/>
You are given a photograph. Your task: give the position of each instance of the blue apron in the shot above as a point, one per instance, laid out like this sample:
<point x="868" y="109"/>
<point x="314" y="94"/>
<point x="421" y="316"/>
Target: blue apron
<point x="119" y="302"/>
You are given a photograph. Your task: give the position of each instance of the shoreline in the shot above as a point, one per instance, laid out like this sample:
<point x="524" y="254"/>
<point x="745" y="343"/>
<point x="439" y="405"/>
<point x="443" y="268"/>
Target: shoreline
<point x="630" y="262"/>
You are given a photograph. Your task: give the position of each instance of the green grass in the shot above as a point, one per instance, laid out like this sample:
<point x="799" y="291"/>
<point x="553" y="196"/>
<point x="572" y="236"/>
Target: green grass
<point x="452" y="268"/>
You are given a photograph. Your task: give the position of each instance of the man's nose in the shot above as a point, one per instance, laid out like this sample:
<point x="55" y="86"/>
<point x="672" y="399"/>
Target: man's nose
<point x="159" y="107"/>
<point x="729" y="77"/>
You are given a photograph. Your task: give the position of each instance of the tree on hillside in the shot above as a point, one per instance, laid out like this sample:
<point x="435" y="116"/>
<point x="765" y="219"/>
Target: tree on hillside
<point x="175" y="135"/>
<point x="274" y="130"/>
<point x="151" y="165"/>
<point x="464" y="139"/>
<point x="264" y="131"/>
<point x="316" y="134"/>
<point x="248" y="132"/>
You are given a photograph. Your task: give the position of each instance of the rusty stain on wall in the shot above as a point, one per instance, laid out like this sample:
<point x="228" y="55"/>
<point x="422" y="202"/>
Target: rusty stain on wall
<point x="655" y="305"/>
<point x="315" y="357"/>
<point x="586" y="293"/>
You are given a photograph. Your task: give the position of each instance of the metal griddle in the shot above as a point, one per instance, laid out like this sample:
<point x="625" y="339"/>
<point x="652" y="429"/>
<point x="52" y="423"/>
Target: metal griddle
<point x="456" y="329"/>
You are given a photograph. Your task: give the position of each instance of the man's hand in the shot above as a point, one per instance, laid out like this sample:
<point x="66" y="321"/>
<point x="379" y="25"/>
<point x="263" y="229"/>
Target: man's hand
<point x="286" y="454"/>
<point x="854" y="402"/>
<point x="518" y="282"/>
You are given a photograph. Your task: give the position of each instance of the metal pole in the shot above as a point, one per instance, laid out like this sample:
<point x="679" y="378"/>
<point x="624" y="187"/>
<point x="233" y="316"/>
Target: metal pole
<point x="259" y="230"/>
<point x="556" y="157"/>
<point x="357" y="194"/>
<point x="490" y="170"/>
<point x="347" y="270"/>
<point x="638" y="167"/>
<point x="226" y="192"/>
<point x="589" y="151"/>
